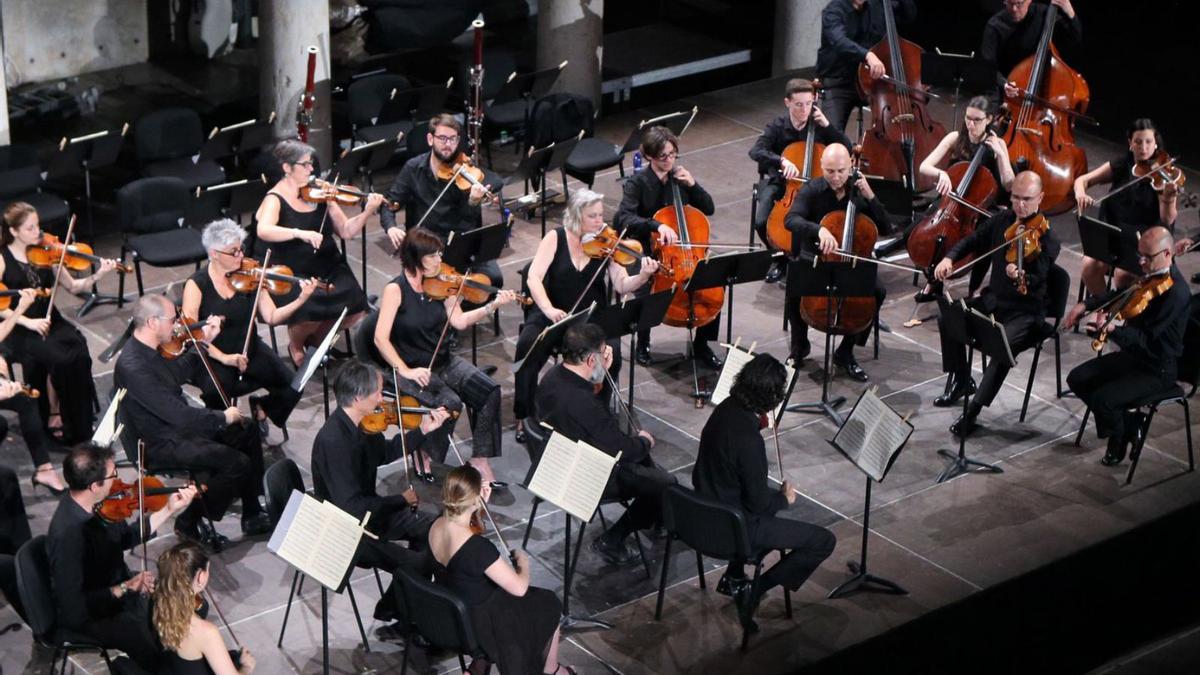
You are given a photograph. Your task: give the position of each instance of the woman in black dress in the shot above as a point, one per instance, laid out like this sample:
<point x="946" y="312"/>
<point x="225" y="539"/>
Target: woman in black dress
<point x="516" y="624"/>
<point x="209" y="293"/>
<point x="51" y="350"/>
<point x="303" y="236"/>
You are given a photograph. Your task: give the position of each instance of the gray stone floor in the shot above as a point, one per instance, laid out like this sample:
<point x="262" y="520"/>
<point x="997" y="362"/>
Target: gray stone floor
<point x="942" y="542"/>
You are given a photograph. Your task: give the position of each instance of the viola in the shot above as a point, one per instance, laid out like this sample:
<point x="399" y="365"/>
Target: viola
<point x="475" y="288"/>
<point x="1161" y="170"/>
<point x="49" y="252"/>
<point x="901" y="128"/>
<point x="688" y="309"/>
<point x="1136" y="299"/>
<point x="408" y="416"/>
<point x="7" y="295"/>
<point x="1042" y="138"/>
<point x="185" y="331"/>
<point x="323" y="192"/>
<point x="276" y="279"/>
<point x="806" y="155"/>
<point x="607" y="243"/>
<point x="465" y="175"/>
<point x="124" y="498"/>
<point x="1025" y="243"/>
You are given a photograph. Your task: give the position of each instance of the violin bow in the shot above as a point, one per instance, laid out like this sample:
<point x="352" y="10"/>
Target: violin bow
<point x="441" y="194"/>
<point x="141" y="468"/>
<point x="400" y="418"/>
<point x="58" y="268"/>
<point x="1153" y="170"/>
<point x="208" y="368"/>
<point x="486" y="512"/>
<point x="595" y="275"/>
<point x="262" y="280"/>
<point x="441" y="338"/>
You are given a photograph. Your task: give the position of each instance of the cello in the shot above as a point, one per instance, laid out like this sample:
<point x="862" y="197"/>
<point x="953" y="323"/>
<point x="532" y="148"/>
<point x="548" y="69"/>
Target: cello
<point x="901" y="128"/>
<point x="956" y="215"/>
<point x="1050" y="95"/>
<point x="688" y="309"/>
<point x="806" y="155"/>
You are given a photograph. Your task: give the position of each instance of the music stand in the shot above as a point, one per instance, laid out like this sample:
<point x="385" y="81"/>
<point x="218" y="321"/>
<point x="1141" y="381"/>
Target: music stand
<point x="365" y="159"/>
<point x="983" y="333"/>
<point x="532" y="165"/>
<point x="559" y="153"/>
<point x="1111" y="245"/>
<point x="943" y="69"/>
<point x="835" y="281"/>
<point x="318" y="358"/>
<point x="551" y="336"/>
<point x="82" y="155"/>
<point x="895" y="196"/>
<point x="227" y="199"/>
<point x="417" y="103"/>
<point x="466" y="250"/>
<point x="232" y="140"/>
<point x="729" y="269"/>
<point x="628" y="318"/>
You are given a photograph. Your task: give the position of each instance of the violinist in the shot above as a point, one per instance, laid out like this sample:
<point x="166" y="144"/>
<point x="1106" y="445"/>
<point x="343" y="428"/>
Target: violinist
<point x="1139" y="206"/>
<point x="567" y="401"/>
<point x="558" y="280"/>
<point x="849" y="28"/>
<point x="345" y="460"/>
<point x="219" y="445"/>
<point x="799" y="96"/>
<point x="209" y="293"/>
<point x="731" y="467"/>
<point x="1151" y="344"/>
<point x="95" y="592"/>
<point x="818" y="198"/>
<point x="52" y="351"/>
<point x="1012" y="34"/>
<point x="1021" y="313"/>
<point x="645" y="193"/>
<point x="408" y="337"/>
<point x="303" y="236"/>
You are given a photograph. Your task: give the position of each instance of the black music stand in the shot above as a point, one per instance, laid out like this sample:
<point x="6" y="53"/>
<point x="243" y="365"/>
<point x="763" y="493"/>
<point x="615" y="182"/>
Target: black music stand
<point x="1112" y="245"/>
<point x="417" y="103"/>
<point x="982" y="333"/>
<point x="365" y="159"/>
<point x="941" y="69"/>
<point x="559" y="153"/>
<point x="465" y="250"/>
<point x="628" y="318"/>
<point x="532" y="167"/>
<point x="227" y="200"/>
<point x="82" y="155"/>
<point x="729" y="269"/>
<point x="547" y="342"/>
<point x="527" y="87"/>
<point x="236" y="139"/>
<point x="896" y="198"/>
<point x="835" y="281"/>
<point x="319" y="358"/>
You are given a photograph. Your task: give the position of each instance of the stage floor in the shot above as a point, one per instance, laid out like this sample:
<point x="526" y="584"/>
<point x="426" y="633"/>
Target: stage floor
<point x="941" y="542"/>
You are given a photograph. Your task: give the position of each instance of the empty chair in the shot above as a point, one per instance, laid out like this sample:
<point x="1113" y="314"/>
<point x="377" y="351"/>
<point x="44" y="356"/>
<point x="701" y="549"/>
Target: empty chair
<point x="21" y="181"/>
<point x="367" y="97"/>
<point x="150" y="213"/>
<point x="166" y="141"/>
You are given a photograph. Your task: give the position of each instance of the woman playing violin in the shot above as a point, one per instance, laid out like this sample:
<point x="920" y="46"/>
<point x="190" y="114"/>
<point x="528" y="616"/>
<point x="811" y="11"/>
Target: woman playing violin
<point x="1139" y="206"/>
<point x="302" y="236"/>
<point x="561" y="278"/>
<point x="53" y="352"/>
<point x="408" y="337"/>
<point x="209" y="292"/>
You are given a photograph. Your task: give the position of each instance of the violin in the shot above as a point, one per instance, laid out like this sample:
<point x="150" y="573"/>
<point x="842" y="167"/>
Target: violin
<point x="25" y="390"/>
<point x="607" y="243"/>
<point x="7" y="295"/>
<point x="688" y="309"/>
<point x="183" y="333"/>
<point x="50" y="252"/>
<point x="1134" y="300"/>
<point x="277" y="279"/>
<point x="323" y="192"/>
<point x="1025" y="243"/>
<point x="901" y="128"/>
<point x="123" y="498"/>
<point x="806" y="155"/>
<point x="465" y="175"/>
<point x="1162" y="172"/>
<point x="408" y="416"/>
<point x="475" y="288"/>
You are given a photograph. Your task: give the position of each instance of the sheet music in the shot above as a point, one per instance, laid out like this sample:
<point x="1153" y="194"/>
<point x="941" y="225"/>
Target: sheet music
<point x="736" y="359"/>
<point x="317" y="538"/>
<point x="872" y="434"/>
<point x="572" y="475"/>
<point x="106" y="431"/>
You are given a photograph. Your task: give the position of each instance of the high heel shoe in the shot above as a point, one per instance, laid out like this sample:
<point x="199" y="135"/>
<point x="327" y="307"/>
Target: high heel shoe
<point x="57" y="492"/>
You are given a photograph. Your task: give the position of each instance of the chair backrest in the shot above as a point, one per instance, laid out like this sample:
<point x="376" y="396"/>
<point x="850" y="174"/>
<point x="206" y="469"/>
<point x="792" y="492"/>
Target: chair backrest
<point x="33" y="585"/>
<point x="1058" y="289"/>
<point x="278" y="482"/>
<point x="536" y="437"/>
<point x="367" y="95"/>
<point x="169" y="133"/>
<point x="20" y="172"/>
<point x="415" y="142"/>
<point x="152" y="204"/>
<point x="558" y="117"/>
<point x="710" y="527"/>
<point x="438" y="614"/>
<point x="1189" y="363"/>
<point x="362" y="338"/>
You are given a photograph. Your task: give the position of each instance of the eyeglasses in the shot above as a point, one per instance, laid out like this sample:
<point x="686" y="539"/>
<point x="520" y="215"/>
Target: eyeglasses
<point x="446" y="139"/>
<point x="112" y="477"/>
<point x="307" y="162"/>
<point x="1143" y="258"/>
<point x="975" y="120"/>
<point x="667" y="156"/>
<point x="235" y="253"/>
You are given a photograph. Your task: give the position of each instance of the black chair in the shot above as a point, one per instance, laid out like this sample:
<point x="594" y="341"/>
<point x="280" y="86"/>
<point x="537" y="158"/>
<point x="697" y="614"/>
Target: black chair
<point x="150" y="212"/>
<point x="33" y="585"/>
<point x="440" y="617"/>
<point x="21" y="181"/>
<point x="166" y="141"/>
<point x="367" y="96"/>
<point x="711" y="529"/>
<point x="593" y="155"/>
<point x="1058" y="288"/>
<point x="279" y="480"/>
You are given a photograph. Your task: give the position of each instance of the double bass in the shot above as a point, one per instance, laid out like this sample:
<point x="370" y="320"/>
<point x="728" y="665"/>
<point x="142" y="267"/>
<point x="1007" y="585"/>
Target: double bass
<point x="975" y="188"/>
<point x="806" y="155"/>
<point x="901" y="128"/>
<point x="688" y="309"/>
<point x="1041" y="138"/>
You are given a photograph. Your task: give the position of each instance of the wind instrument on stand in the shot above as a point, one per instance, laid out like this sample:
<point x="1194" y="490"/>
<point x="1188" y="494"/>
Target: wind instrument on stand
<point x="475" y="81"/>
<point x="304" y="109"/>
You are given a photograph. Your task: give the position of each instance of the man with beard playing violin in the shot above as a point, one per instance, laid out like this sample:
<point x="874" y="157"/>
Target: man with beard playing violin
<point x="1022" y="314"/>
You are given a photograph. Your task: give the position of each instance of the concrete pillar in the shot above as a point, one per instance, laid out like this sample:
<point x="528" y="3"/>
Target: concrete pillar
<point x="5" y="132"/>
<point x="286" y="29"/>
<point x="797" y="35"/>
<point x="572" y="30"/>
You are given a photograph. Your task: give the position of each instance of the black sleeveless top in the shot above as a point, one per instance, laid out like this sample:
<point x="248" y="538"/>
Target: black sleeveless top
<point x="1135" y="206"/>
<point x="236" y="310"/>
<point x="564" y="283"/>
<point x="465" y="572"/>
<point x="18" y="275"/>
<point x="298" y="254"/>
<point x="417" y="327"/>
<point x="174" y="664"/>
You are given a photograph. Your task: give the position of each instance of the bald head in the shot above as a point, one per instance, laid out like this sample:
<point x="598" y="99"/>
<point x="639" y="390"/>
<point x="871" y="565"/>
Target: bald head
<point x="1029" y="180"/>
<point x="1026" y="194"/>
<point x="835" y="153"/>
<point x="1156" y="250"/>
<point x="835" y="165"/>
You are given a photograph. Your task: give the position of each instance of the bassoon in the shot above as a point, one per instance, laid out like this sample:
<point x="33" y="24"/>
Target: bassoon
<point x="304" y="109"/>
<point x="475" y="114"/>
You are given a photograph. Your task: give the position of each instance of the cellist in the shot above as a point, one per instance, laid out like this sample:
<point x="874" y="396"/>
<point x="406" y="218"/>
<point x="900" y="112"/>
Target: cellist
<point x="1012" y="34"/>
<point x="820" y="197"/>
<point x="799" y="97"/>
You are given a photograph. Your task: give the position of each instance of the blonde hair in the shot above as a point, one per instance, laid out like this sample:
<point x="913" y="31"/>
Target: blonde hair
<point x="460" y="493"/>
<point x="580" y="200"/>
<point x="174" y="593"/>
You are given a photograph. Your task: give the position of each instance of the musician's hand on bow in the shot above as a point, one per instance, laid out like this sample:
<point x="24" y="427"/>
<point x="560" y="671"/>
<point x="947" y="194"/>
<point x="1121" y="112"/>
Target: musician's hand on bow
<point x="864" y="187"/>
<point x="39" y="326"/>
<point x="1010" y="90"/>
<point x="314" y="239"/>
<point x="668" y="236"/>
<point x="142" y="582"/>
<point x="410" y="496"/>
<point x="233" y="415"/>
<point x="212" y="327"/>
<point x="418" y="375"/>
<point x="554" y="314"/>
<point x="826" y="241"/>
<point x="819" y="117"/>
<point x="607" y="354"/>
<point x="788" y="169"/>
<point x="646" y="435"/>
<point x="875" y="66"/>
<point x="944" y="185"/>
<point x="684" y="176"/>
<point x="1073" y="315"/>
<point x="434" y="420"/>
<point x="789" y="491"/>
<point x="944" y="269"/>
<point x="238" y="361"/>
<point x="1181" y="246"/>
<point x="396" y="236"/>
<point x="181" y="499"/>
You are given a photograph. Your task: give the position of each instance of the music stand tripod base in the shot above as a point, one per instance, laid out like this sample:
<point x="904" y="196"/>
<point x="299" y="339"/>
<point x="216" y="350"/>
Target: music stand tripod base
<point x="959" y="464"/>
<point x="93" y="299"/>
<point x="862" y="581"/>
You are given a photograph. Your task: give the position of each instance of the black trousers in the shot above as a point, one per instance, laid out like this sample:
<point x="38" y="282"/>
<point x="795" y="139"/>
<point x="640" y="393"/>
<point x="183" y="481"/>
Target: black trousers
<point x="230" y="465"/>
<point x="770" y="189"/>
<point x="526" y="379"/>
<point x="14" y="532"/>
<point x="265" y="370"/>
<point x="644" y="483"/>
<point x="61" y="358"/>
<point x="799" y="327"/>
<point x="129" y="630"/>
<point x="807" y="547"/>
<point x="837" y="102"/>
<point x="1022" y="331"/>
<point x="33" y="430"/>
<point x="386" y="554"/>
<point x="1110" y="383"/>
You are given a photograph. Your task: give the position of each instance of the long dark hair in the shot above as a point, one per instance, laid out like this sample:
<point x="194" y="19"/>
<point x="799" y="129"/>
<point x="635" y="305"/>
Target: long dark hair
<point x="962" y="149"/>
<point x="760" y="385"/>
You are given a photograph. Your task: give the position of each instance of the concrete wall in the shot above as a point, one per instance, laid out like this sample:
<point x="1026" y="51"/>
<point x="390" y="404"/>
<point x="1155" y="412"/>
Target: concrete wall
<point x="52" y="39"/>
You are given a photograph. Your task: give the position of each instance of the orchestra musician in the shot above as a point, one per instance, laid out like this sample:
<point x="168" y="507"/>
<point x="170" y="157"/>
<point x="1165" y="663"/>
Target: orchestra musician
<point x="1139" y="207"/>
<point x="1012" y="34"/>
<point x="408" y="339"/>
<point x="644" y="194"/>
<point x="1021" y="314"/>
<point x="567" y="401"/>
<point x="1151" y="344"/>
<point x="302" y="236"/>
<point x="221" y="445"/>
<point x="849" y="28"/>
<point x="731" y="467"/>
<point x="799" y="96"/>
<point x="14" y="532"/>
<point x="818" y="198"/>
<point x="95" y="592"/>
<point x="558" y="280"/>
<point x="52" y="351"/>
<point x="209" y="292"/>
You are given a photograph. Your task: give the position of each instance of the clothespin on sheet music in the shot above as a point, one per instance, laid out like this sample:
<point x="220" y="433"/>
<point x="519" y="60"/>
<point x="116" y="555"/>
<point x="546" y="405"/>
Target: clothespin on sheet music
<point x="363" y="524"/>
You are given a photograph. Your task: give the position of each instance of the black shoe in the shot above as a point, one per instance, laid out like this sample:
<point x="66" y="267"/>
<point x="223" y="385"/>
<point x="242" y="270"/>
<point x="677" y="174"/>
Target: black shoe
<point x="849" y="365"/>
<point x="1115" y="453"/>
<point x="800" y="351"/>
<point x="520" y="435"/>
<point x="747" y="598"/>
<point x="965" y="424"/>
<point x="498" y="485"/>
<point x="776" y="272"/>
<point x="57" y="492"/>
<point x="452" y="339"/>
<point x="210" y="538"/>
<point x="731" y="586"/>
<point x="394" y="632"/>
<point x="705" y="355"/>
<point x="643" y="354"/>
<point x="488" y="370"/>
<point x="935" y="291"/>
<point x="955" y="390"/>
<point x="256" y="524"/>
<point x="613" y="553"/>
<point x="1196" y="278"/>
<point x="255" y="408"/>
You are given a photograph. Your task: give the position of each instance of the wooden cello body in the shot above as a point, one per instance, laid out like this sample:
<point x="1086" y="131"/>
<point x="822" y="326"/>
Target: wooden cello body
<point x="806" y="155"/>
<point x="687" y="309"/>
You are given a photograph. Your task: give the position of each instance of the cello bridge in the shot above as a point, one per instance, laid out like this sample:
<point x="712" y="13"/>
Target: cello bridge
<point x="905" y="117"/>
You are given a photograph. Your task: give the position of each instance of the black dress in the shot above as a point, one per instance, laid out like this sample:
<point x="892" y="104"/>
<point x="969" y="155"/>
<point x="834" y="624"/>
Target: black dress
<point x="1135" y="207"/>
<point x="62" y="356"/>
<point x="326" y="263"/>
<point x="514" y="631"/>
